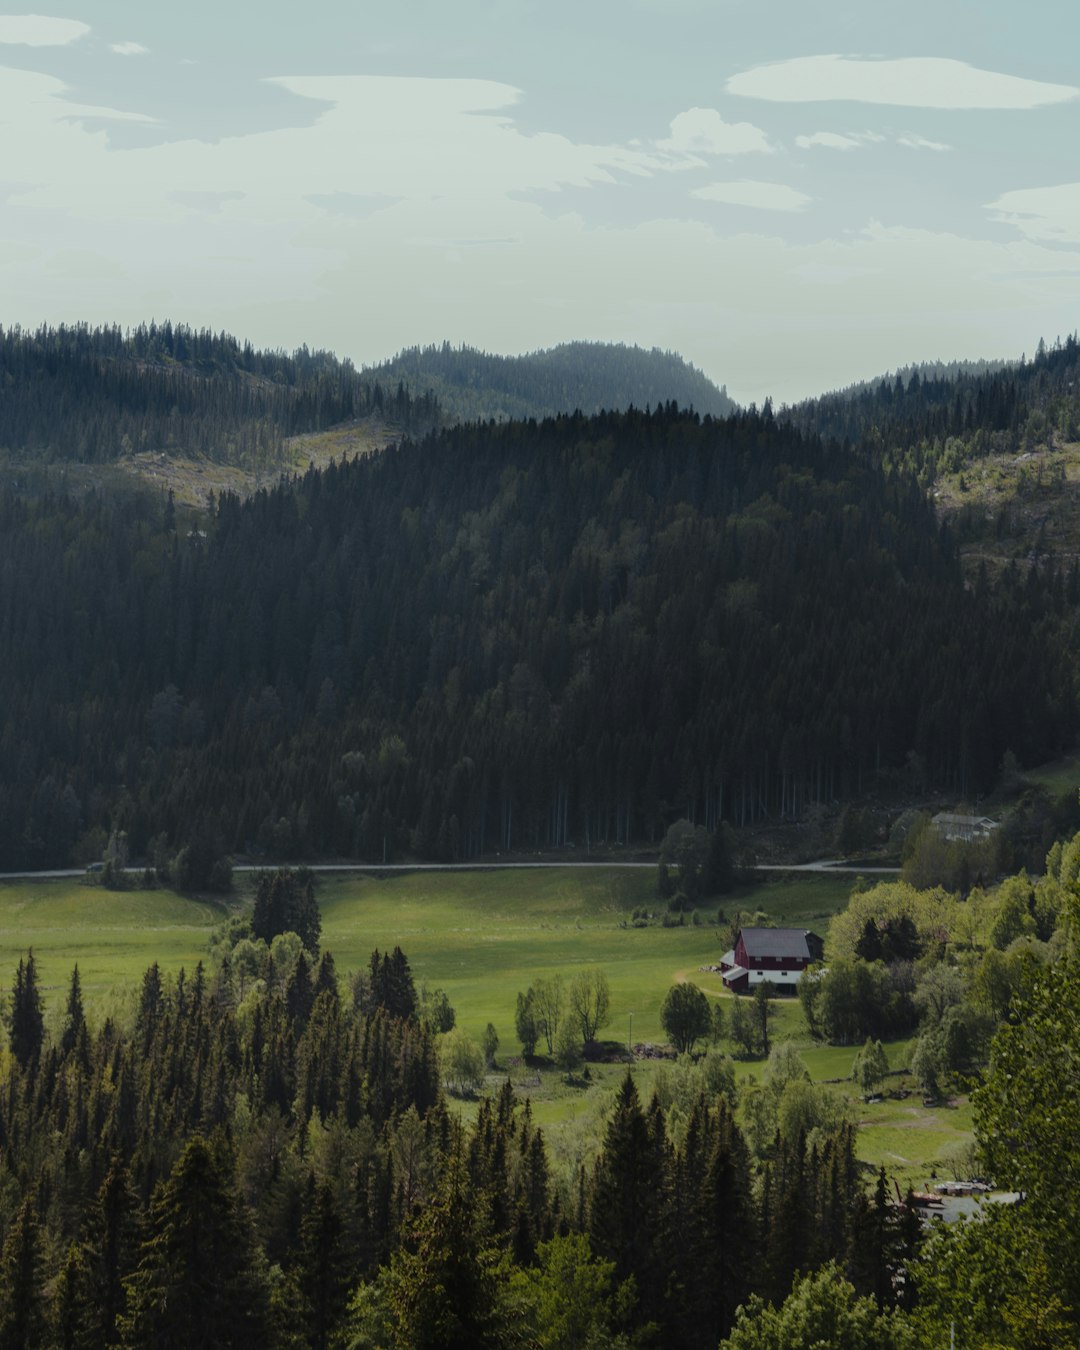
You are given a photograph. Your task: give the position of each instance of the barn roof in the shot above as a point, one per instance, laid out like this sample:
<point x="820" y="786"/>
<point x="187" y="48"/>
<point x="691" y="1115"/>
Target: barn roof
<point x="790" y="942"/>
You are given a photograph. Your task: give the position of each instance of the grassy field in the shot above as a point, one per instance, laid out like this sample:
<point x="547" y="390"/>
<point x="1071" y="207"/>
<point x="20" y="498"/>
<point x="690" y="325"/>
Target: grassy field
<point x="483" y="936"/>
<point x="1015" y="505"/>
<point x="113" y="935"/>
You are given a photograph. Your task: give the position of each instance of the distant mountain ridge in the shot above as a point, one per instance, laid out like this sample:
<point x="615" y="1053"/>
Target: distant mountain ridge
<point x="472" y="385"/>
<point x="75" y="394"/>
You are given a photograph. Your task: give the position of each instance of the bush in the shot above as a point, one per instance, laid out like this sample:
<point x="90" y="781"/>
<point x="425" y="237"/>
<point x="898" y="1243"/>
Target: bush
<point x="568" y="1050"/>
<point x="462" y="1063"/>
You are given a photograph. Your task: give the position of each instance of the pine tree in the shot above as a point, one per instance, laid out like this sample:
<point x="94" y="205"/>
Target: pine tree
<point x="627" y="1196"/>
<point x="71" y="1322"/>
<point x="27" y="1023"/>
<point x="111" y="1249"/>
<point x="443" y="1285"/>
<point x="74" y="1018"/>
<point x="325" y="1271"/>
<point x="197" y="1282"/>
<point x="21" y="1317"/>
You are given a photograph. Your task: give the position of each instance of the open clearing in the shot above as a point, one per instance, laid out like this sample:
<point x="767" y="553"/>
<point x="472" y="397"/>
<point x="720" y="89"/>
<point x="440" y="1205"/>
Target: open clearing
<point x="483" y="936"/>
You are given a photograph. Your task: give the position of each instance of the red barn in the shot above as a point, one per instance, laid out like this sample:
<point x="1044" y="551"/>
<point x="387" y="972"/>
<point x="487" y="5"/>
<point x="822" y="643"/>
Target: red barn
<point x="779" y="955"/>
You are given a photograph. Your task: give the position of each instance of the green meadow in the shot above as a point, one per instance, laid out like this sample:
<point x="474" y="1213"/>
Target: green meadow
<point x="113" y="935"/>
<point x="482" y="937"/>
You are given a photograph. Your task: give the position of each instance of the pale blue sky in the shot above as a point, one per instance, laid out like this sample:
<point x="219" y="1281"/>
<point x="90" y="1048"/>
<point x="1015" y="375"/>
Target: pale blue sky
<point x="793" y="195"/>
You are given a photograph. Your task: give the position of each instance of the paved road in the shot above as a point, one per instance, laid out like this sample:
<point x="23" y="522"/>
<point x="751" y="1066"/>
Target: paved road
<point x="828" y="865"/>
<point x="825" y="865"/>
<point x="347" y="867"/>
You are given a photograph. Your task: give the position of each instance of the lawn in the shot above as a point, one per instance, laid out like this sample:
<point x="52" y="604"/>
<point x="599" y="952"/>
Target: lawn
<point x="912" y="1140"/>
<point x="483" y="936"/>
<point x="113" y="935"/>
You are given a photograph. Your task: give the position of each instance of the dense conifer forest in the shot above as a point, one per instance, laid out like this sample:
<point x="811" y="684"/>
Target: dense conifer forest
<point x="930" y="419"/>
<point x="508" y="636"/>
<point x="90" y="396"/>
<point x="76" y="394"/>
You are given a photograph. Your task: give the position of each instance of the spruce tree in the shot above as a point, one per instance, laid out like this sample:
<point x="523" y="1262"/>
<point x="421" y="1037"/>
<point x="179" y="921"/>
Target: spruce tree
<point x="22" y="1322"/>
<point x="27" y="1025"/>
<point x="71" y="1308"/>
<point x="443" y="1286"/>
<point x="111" y="1250"/>
<point x="74" y="1018"/>
<point x="197" y="1283"/>
<point x="325" y="1271"/>
<point x="626" y="1219"/>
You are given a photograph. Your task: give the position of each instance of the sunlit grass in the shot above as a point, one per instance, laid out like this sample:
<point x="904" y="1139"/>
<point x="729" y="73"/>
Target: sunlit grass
<point x="483" y="936"/>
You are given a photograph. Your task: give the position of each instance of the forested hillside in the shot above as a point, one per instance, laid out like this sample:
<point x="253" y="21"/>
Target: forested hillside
<point x="76" y="394"/>
<point x="91" y="396"/>
<point x="586" y="377"/>
<point x="509" y="636"/>
<point x="938" y="420"/>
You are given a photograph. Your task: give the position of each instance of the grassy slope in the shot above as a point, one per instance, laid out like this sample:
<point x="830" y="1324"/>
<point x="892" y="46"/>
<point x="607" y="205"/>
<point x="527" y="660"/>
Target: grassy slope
<point x="193" y="479"/>
<point x="114" y="936"/>
<point x="481" y="936"/>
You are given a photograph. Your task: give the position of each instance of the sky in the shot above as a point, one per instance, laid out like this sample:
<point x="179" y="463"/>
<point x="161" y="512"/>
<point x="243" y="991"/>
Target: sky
<point x="793" y="194"/>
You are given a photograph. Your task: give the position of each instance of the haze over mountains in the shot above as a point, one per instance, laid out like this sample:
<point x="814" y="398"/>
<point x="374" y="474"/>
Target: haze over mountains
<point x="586" y="377"/>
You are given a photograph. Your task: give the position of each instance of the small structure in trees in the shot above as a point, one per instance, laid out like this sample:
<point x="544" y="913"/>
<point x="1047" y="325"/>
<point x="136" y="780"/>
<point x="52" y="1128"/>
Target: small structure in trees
<point x="965" y="829"/>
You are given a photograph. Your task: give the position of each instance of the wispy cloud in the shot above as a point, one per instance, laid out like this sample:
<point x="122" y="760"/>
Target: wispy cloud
<point x="921" y="143"/>
<point x="351" y="205"/>
<point x="835" y="140"/>
<point x="912" y="82"/>
<point x="129" y="49"/>
<point x="39" y="30"/>
<point x="753" y="193"/>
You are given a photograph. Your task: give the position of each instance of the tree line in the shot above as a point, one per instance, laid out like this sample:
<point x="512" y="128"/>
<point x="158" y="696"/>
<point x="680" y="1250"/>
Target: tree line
<point x="90" y="395"/>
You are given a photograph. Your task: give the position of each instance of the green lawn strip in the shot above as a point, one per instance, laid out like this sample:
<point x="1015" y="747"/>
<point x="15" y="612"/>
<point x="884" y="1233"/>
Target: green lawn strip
<point x="793" y="899"/>
<point x="112" y="935"/>
<point x="483" y="936"/>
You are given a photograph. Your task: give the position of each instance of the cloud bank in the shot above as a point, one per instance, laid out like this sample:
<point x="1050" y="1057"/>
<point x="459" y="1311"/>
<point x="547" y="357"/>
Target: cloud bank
<point x="38" y="30"/>
<point x="911" y="82"/>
